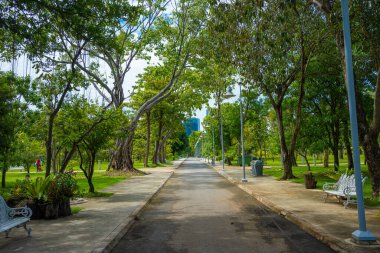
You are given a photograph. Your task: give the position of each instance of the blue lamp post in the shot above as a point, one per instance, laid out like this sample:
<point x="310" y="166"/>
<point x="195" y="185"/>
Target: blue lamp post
<point x="360" y="235"/>
<point x="244" y="179"/>
<point x="227" y="95"/>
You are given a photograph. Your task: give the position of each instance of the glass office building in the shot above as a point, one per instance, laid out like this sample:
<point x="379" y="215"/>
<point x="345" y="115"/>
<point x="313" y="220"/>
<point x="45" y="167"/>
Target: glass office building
<point x="192" y="124"/>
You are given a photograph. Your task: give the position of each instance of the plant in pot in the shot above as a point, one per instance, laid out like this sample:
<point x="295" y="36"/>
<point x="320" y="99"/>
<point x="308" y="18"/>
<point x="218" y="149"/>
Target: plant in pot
<point x="48" y="197"/>
<point x="61" y="189"/>
<point x="36" y="193"/>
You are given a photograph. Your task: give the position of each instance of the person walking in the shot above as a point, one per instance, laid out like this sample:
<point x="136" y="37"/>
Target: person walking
<point x="38" y="163"/>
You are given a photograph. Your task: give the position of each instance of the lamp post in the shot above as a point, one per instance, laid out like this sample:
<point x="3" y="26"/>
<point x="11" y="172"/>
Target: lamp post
<point x="213" y="140"/>
<point x="361" y="235"/>
<point x="244" y="179"/>
<point x="226" y="96"/>
<point x="213" y="147"/>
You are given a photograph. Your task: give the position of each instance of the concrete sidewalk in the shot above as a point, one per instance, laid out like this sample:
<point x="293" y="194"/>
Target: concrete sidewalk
<point x="329" y="222"/>
<point x="99" y="226"/>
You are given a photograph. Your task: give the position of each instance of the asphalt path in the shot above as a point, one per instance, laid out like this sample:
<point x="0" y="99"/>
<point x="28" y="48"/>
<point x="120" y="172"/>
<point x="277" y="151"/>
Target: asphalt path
<point x="200" y="211"/>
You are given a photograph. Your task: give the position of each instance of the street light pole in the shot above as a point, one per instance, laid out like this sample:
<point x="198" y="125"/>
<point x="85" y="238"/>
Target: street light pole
<point x="221" y="136"/>
<point x="227" y="96"/>
<point x="244" y="179"/>
<point x="361" y="235"/>
<point x="213" y="146"/>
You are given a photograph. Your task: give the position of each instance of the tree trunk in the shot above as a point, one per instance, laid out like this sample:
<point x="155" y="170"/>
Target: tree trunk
<point x="156" y="151"/>
<point x="123" y="155"/>
<point x="347" y="145"/>
<point x="285" y="156"/>
<point x="54" y="157"/>
<point x="4" y="171"/>
<point x="91" y="172"/>
<point x="307" y="162"/>
<point x="304" y="63"/>
<point x="294" y="160"/>
<point x="88" y="171"/>
<point x="288" y="172"/>
<point x="49" y="152"/>
<point x="147" y="148"/>
<point x="336" y="159"/>
<point x="335" y="141"/>
<point x="161" y="154"/>
<point x="155" y="159"/>
<point x="372" y="153"/>
<point x="162" y="144"/>
<point x="326" y="158"/>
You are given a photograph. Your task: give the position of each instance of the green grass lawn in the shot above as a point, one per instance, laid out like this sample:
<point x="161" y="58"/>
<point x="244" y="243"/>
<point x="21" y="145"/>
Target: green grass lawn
<point x="100" y="179"/>
<point x="322" y="176"/>
<point x="275" y="161"/>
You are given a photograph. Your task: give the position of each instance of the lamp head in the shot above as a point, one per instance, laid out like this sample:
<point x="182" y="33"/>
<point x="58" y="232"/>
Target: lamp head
<point x="228" y="95"/>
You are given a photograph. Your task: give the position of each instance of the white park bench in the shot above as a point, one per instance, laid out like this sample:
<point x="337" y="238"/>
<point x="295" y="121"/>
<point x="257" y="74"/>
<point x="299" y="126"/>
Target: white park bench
<point x="13" y="217"/>
<point x="344" y="188"/>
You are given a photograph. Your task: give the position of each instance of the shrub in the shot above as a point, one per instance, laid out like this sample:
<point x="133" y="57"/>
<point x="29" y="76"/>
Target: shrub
<point x="37" y="190"/>
<point x="63" y="186"/>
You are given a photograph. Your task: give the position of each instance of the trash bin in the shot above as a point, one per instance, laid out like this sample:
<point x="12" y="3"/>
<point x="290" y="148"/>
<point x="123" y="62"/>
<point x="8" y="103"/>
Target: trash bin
<point x="257" y="168"/>
<point x="247" y="158"/>
<point x="310" y="182"/>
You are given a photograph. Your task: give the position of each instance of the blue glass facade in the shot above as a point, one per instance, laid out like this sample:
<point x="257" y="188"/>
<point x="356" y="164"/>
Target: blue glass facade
<point x="192" y="124"/>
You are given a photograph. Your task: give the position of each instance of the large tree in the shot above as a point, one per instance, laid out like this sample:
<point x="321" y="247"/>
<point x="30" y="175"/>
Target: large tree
<point x="366" y="36"/>
<point x="8" y="119"/>
<point x="271" y="44"/>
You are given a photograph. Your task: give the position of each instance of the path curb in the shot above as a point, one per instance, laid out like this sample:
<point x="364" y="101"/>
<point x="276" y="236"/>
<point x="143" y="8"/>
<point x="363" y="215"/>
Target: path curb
<point x="106" y="245"/>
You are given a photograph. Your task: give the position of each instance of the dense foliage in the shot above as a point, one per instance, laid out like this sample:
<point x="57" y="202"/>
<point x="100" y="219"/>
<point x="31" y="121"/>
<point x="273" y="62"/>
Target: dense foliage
<point x="80" y="104"/>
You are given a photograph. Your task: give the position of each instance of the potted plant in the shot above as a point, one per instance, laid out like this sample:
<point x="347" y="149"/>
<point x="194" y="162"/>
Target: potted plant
<point x="49" y="197"/>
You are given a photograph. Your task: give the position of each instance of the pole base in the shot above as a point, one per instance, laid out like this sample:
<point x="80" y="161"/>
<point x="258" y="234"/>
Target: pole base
<point x="244" y="180"/>
<point x="363" y="237"/>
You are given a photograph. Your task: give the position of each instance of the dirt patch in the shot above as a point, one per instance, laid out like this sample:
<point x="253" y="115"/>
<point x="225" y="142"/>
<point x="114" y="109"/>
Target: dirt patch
<point x="125" y="173"/>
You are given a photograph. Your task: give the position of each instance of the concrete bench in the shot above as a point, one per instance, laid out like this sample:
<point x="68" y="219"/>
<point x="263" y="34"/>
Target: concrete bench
<point x="344" y="188"/>
<point x="13" y="217"/>
<point x="16" y="168"/>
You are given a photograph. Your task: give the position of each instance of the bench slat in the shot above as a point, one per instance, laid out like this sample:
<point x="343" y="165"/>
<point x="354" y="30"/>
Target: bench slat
<point x="13" y="223"/>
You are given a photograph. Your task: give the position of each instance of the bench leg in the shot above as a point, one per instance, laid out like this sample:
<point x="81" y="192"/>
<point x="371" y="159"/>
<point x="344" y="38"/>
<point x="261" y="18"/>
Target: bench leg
<point x="349" y="201"/>
<point x="28" y="230"/>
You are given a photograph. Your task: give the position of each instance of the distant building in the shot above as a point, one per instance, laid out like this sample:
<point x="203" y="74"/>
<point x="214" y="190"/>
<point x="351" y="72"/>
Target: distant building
<point x="192" y="124"/>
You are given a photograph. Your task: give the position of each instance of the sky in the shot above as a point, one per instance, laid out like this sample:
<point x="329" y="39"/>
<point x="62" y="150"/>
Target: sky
<point x="23" y="67"/>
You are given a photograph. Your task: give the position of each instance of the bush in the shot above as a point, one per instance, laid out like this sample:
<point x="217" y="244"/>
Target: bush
<point x="62" y="187"/>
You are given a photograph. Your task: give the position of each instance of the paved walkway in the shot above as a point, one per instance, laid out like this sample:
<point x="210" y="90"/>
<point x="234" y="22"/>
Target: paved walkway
<point x="329" y="222"/>
<point x="96" y="228"/>
<point x="104" y="221"/>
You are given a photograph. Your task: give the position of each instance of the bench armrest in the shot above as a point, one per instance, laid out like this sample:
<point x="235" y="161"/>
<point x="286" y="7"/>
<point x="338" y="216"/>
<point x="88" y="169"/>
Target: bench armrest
<point x="21" y="211"/>
<point x="330" y="186"/>
<point x="347" y="191"/>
